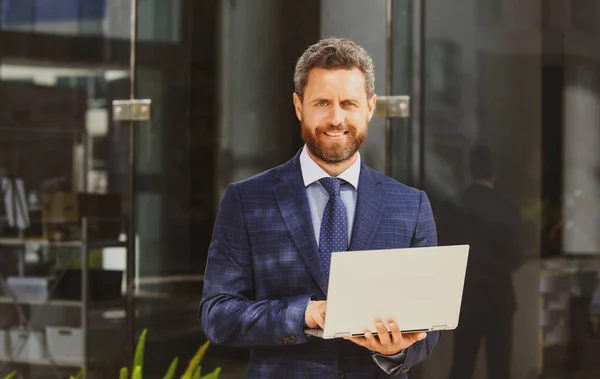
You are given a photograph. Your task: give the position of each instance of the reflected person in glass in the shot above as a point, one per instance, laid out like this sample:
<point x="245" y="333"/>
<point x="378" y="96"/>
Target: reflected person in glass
<point x="268" y="261"/>
<point x="491" y="225"/>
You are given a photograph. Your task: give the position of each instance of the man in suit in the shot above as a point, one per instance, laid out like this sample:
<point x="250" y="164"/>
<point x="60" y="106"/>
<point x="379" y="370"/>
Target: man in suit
<point x="494" y="230"/>
<point x="268" y="262"/>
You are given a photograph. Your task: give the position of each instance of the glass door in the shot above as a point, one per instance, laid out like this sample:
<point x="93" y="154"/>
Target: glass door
<point x="450" y="77"/>
<point x="168" y="121"/>
<point x="63" y="173"/>
<point x="405" y="60"/>
<point x="403" y="101"/>
<point x="400" y="98"/>
<point x="218" y="74"/>
<point x="501" y="109"/>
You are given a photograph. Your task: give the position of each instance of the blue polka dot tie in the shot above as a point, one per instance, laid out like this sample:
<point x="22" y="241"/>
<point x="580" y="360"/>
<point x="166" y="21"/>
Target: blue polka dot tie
<point x="334" y="225"/>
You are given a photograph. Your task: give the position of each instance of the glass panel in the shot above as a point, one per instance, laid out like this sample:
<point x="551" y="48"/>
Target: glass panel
<point x="401" y="152"/>
<point x="67" y="17"/>
<point x="510" y="163"/>
<point x="168" y="275"/>
<point x="63" y="204"/>
<point x="372" y="36"/>
<point x="221" y="90"/>
<point x="104" y="18"/>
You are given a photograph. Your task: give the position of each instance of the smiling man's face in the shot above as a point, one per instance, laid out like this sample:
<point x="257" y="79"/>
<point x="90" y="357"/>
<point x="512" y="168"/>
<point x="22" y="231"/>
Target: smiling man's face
<point x="334" y="113"/>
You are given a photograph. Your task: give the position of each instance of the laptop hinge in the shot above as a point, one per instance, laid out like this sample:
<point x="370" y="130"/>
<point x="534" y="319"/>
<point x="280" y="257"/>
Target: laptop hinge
<point x="342" y="335"/>
<point x="439" y="327"/>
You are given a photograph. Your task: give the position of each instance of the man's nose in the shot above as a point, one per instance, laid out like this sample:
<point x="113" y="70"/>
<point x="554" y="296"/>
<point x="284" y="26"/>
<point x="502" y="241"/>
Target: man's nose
<point x="336" y="116"/>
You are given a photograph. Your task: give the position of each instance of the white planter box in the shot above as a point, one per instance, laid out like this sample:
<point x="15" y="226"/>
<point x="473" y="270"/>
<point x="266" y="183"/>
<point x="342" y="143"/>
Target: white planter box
<point x="65" y="344"/>
<point x="5" y="353"/>
<point x="27" y="345"/>
<point x="30" y="288"/>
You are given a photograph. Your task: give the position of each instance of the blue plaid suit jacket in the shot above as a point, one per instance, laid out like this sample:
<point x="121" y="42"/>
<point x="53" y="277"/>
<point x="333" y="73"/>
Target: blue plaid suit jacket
<point x="263" y="268"/>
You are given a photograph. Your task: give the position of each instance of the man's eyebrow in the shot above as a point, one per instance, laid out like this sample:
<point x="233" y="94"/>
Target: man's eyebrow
<point x="318" y="100"/>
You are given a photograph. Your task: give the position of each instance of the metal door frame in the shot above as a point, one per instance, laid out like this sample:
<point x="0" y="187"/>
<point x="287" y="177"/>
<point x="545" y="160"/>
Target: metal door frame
<point x="415" y="100"/>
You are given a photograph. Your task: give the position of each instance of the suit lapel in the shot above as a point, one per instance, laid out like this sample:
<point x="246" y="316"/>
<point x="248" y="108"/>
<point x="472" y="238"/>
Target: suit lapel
<point x="369" y="209"/>
<point x="293" y="205"/>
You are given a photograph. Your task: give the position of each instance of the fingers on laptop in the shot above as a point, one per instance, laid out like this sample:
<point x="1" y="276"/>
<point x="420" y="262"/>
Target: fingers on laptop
<point x="396" y="332"/>
<point x="383" y="334"/>
<point x="388" y="338"/>
<point x="320" y="319"/>
<point x="315" y="314"/>
<point x="320" y="316"/>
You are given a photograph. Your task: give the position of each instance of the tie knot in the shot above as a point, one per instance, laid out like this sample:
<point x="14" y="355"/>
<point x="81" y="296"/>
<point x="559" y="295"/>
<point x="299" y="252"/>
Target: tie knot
<point x="332" y="185"/>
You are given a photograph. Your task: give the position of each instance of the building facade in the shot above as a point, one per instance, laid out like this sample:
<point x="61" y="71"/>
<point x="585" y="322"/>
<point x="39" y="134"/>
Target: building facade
<point x="134" y="201"/>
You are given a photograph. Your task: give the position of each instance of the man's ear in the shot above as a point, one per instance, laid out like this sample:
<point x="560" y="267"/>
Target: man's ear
<point x="298" y="106"/>
<point x="371" y="105"/>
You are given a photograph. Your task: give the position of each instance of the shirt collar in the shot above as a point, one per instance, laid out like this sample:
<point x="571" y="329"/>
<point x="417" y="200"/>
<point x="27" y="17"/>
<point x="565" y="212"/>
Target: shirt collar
<point x="311" y="171"/>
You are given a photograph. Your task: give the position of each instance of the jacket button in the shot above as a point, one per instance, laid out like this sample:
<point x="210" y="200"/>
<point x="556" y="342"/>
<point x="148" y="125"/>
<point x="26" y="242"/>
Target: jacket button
<point x="341" y="374"/>
<point x="293" y="339"/>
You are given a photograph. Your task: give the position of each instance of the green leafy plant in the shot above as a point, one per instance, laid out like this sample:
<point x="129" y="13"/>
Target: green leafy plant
<point x="138" y="360"/>
<point x="137" y="373"/>
<point x="193" y="370"/>
<point x="172" y="369"/>
<point x="79" y="375"/>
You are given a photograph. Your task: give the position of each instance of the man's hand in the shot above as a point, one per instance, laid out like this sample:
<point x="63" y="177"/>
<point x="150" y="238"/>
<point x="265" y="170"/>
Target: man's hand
<point x="315" y="314"/>
<point x="385" y="343"/>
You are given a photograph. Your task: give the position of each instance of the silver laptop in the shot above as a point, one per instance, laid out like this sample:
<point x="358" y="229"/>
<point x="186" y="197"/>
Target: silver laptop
<point x="419" y="288"/>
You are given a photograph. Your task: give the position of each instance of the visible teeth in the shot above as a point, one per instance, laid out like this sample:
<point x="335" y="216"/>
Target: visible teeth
<point x="334" y="134"/>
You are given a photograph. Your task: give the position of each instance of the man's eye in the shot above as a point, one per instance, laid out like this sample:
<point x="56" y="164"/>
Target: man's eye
<point x="322" y="103"/>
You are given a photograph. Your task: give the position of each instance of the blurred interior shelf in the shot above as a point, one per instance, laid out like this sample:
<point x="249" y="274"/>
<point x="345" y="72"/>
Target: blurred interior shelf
<point x="569" y="288"/>
<point x="64" y="303"/>
<point x="169" y="279"/>
<point x="95" y="304"/>
<point x="112" y="305"/>
<point x="58" y="303"/>
<point x="90" y="244"/>
<point x="45" y="362"/>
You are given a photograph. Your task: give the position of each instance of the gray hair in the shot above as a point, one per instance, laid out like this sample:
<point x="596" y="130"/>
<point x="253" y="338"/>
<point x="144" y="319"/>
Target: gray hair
<point x="334" y="54"/>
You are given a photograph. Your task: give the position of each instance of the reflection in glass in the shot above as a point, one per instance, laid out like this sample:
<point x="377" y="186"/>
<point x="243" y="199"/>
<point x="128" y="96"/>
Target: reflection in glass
<point x="526" y="91"/>
<point x="107" y="18"/>
<point x="62" y="253"/>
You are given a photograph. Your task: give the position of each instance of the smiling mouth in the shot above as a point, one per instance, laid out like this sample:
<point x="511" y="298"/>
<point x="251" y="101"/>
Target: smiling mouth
<point x="335" y="134"/>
